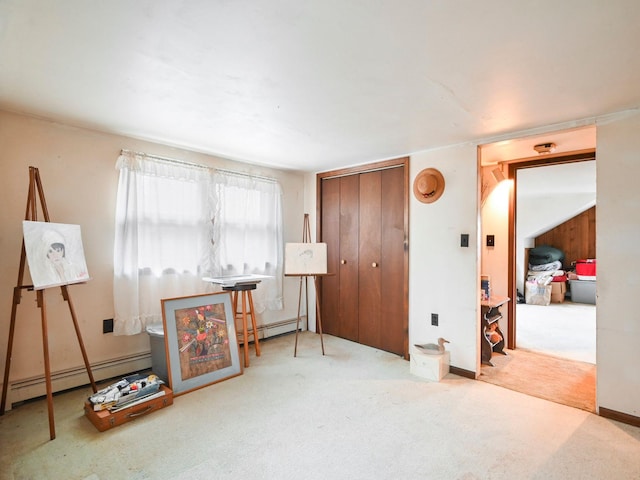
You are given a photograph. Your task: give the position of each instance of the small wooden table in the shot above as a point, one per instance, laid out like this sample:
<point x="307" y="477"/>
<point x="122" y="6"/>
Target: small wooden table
<point x="243" y="284"/>
<point x="245" y="289"/>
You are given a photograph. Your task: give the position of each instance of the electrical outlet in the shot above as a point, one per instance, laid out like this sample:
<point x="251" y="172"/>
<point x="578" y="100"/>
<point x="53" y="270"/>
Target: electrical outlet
<point x="107" y="325"/>
<point x="434" y="319"/>
<point x="464" y="240"/>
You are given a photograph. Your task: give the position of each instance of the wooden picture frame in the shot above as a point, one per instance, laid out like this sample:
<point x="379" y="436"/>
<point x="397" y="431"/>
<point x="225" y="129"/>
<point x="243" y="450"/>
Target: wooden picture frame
<point x="200" y="341"/>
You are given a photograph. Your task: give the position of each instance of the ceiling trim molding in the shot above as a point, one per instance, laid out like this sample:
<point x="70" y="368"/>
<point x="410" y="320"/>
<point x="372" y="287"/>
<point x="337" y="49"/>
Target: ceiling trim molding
<point x="564" y="126"/>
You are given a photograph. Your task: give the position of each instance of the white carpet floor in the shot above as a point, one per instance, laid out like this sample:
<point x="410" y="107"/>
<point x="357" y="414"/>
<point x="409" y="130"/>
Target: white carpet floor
<point x="566" y="330"/>
<point x="355" y="413"/>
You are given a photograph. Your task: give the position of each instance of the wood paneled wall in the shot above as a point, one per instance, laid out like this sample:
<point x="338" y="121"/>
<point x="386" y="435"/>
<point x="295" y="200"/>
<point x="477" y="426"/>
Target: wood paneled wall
<point x="576" y="237"/>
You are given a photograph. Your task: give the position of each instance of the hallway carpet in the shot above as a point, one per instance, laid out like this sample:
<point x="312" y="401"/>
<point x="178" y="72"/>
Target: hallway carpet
<point x="556" y="379"/>
<point x="565" y="330"/>
<point x="354" y="413"/>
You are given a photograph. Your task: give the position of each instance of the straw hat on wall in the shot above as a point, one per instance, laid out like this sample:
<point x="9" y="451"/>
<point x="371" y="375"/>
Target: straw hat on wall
<point x="428" y="185"/>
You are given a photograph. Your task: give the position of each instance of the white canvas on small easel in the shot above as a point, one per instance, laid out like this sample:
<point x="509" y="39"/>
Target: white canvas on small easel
<point x="305" y="258"/>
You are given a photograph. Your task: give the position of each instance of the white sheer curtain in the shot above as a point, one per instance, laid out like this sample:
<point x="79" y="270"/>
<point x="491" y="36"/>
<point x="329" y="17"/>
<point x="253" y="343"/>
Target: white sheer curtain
<point x="163" y="237"/>
<point x="176" y="223"/>
<point x="248" y="233"/>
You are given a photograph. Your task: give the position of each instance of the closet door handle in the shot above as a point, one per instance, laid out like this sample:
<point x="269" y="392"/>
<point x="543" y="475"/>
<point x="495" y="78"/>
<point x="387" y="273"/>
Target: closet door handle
<point x="343" y="261"/>
<point x="374" y="264"/>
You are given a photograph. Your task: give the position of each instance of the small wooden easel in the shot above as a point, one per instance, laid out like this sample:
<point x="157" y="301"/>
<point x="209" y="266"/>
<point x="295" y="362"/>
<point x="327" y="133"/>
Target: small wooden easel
<point x="306" y="238"/>
<point x="32" y="214"/>
<point x="247" y="311"/>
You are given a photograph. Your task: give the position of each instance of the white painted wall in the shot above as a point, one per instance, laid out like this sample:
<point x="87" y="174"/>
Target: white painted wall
<point x="495" y="260"/>
<point x="444" y="277"/>
<point x="77" y="168"/>
<point x="617" y="241"/>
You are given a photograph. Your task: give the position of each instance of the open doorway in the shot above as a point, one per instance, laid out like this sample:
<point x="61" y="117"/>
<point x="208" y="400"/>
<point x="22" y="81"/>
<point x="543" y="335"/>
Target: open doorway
<point x="555" y="213"/>
<point x="531" y="365"/>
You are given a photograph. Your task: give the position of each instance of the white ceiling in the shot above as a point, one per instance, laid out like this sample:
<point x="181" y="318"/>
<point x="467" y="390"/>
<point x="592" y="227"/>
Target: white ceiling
<point x="317" y="85"/>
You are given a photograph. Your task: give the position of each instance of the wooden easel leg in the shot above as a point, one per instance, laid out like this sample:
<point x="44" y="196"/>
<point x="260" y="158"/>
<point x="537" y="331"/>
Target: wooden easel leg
<point x="295" y="348"/>
<point x="234" y="302"/>
<point x="256" y="341"/>
<point x="306" y="292"/>
<point x="7" y="365"/>
<point x="306" y="237"/>
<point x="315" y="282"/>
<point x="245" y="330"/>
<point x="65" y="295"/>
<point x="47" y="365"/>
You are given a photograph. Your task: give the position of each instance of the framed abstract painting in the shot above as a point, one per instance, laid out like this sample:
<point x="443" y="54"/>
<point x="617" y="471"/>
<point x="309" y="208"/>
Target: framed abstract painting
<point x="200" y="341"/>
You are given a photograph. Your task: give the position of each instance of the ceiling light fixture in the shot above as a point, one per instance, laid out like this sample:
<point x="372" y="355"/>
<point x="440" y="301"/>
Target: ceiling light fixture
<point x="545" y="147"/>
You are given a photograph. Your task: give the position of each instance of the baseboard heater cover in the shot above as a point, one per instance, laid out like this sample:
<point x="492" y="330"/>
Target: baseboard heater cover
<point x="278" y="328"/>
<point x="34" y="387"/>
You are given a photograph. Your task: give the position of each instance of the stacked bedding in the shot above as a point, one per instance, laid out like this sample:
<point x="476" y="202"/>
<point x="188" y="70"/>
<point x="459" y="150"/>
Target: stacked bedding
<point x="545" y="270"/>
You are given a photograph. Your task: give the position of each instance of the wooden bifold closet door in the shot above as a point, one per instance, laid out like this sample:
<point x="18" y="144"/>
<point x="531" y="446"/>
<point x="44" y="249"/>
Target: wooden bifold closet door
<point x="363" y="222"/>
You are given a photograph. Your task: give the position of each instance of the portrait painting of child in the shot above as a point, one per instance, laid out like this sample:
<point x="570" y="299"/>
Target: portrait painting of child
<point x="54" y="254"/>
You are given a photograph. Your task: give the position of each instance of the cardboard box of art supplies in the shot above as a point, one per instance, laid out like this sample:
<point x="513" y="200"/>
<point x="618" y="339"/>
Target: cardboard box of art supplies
<point x="121" y="402"/>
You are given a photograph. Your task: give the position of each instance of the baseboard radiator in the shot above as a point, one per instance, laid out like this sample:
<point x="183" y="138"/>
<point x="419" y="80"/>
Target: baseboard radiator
<point x="276" y="328"/>
<point x="26" y="389"/>
<point x="34" y="387"/>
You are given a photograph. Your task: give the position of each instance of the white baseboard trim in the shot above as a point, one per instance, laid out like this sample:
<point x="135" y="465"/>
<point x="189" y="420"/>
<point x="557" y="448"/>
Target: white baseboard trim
<point x="34" y="387"/>
<point x="26" y="389"/>
<point x="282" y="327"/>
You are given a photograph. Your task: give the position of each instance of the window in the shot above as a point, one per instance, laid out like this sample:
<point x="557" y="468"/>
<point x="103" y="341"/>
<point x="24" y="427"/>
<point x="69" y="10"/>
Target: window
<point x="176" y="223"/>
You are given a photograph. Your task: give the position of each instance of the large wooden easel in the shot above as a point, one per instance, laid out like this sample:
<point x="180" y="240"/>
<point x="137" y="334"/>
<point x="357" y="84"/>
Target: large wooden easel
<point x="306" y="238"/>
<point x="35" y="185"/>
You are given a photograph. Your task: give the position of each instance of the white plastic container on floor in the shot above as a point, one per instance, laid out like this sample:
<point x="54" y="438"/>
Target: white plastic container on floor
<point x="158" y="352"/>
<point x="583" y="291"/>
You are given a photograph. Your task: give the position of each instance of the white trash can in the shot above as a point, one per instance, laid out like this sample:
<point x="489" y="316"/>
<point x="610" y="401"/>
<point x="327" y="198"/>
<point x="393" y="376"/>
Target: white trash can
<point x="158" y="355"/>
